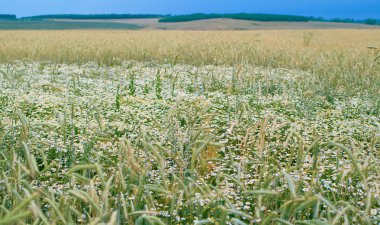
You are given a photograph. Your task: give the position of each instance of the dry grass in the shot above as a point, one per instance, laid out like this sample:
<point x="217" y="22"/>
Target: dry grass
<point x="275" y="48"/>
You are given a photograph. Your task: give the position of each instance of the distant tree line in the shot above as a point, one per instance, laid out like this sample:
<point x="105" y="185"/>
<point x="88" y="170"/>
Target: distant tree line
<point x="93" y="16"/>
<point x="262" y="17"/>
<point x="7" y="17"/>
<point x="239" y="16"/>
<point x="372" y="21"/>
<point x="344" y="20"/>
<point x="369" y="21"/>
<point x="192" y="17"/>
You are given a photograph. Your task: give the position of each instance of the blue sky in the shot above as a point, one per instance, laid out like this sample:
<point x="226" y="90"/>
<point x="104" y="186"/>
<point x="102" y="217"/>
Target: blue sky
<point x="327" y="8"/>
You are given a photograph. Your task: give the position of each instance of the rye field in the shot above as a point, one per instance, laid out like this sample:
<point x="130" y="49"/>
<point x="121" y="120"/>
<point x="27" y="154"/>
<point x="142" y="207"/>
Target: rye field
<point x="190" y="127"/>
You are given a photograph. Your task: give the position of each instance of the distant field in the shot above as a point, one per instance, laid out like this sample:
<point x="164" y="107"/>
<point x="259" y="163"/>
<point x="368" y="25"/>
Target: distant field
<point x="154" y="24"/>
<point x="63" y="25"/>
<point x="231" y="24"/>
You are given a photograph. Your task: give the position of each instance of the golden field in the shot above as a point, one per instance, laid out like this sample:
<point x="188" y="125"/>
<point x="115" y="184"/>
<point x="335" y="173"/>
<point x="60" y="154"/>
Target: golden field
<point x="283" y="48"/>
<point x="347" y="54"/>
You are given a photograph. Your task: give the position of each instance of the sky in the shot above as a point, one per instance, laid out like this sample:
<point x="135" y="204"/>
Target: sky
<point x="358" y="9"/>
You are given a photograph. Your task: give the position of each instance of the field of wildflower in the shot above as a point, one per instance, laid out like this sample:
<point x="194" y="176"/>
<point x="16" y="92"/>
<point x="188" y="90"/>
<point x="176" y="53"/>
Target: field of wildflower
<point x="145" y="142"/>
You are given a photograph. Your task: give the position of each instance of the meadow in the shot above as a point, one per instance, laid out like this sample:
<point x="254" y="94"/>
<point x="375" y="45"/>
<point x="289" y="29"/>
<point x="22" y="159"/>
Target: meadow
<point x="62" y="25"/>
<point x="190" y="127"/>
